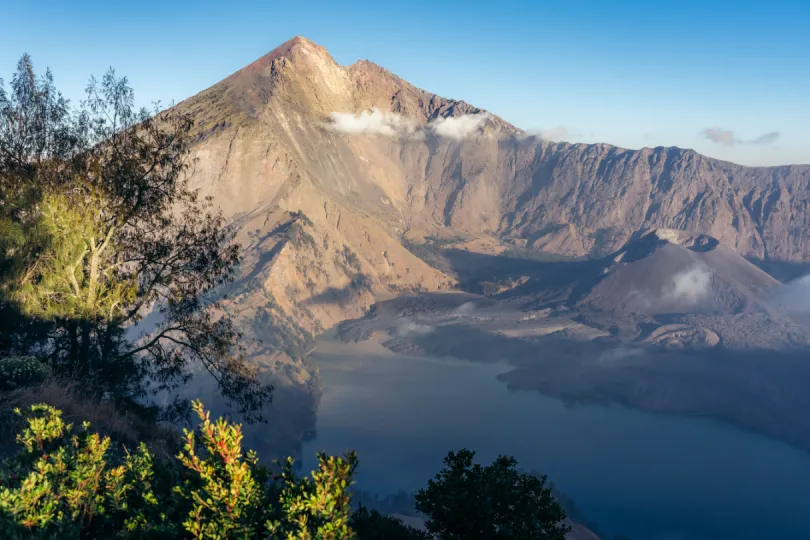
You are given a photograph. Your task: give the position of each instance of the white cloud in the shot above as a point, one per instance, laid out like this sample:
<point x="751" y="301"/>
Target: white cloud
<point x="374" y="121"/>
<point x="387" y="124"/>
<point x="767" y="138"/>
<point x="458" y="127"/>
<point x="411" y="328"/>
<point x="559" y="133"/>
<point x="689" y="286"/>
<point x="720" y="136"/>
<point x="726" y="137"/>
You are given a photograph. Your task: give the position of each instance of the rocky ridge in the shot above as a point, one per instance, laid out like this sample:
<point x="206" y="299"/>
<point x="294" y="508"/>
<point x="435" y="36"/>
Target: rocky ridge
<point x="335" y="175"/>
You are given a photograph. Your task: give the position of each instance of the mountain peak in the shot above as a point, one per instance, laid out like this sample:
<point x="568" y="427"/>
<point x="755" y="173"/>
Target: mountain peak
<point x="304" y="43"/>
<point x="302" y="40"/>
<point x="301" y="75"/>
<point x="297" y="46"/>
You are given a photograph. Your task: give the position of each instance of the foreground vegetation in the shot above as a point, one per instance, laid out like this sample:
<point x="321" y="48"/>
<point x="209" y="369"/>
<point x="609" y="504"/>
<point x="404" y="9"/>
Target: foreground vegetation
<point x="74" y="483"/>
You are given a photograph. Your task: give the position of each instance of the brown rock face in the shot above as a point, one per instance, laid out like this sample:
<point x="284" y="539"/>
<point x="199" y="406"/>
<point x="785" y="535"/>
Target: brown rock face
<point x="609" y="194"/>
<point x="267" y="152"/>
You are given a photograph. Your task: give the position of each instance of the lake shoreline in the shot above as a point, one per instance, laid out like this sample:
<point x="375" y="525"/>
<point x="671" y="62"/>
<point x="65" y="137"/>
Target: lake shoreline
<point x="403" y="413"/>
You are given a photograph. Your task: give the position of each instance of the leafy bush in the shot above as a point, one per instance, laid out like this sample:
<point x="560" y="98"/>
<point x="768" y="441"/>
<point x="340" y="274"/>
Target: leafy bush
<point x="129" y="427"/>
<point x="72" y="484"/>
<point x="22" y="371"/>
<point x="76" y="484"/>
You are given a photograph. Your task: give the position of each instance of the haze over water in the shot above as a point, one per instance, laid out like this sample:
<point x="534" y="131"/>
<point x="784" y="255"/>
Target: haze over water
<point x="650" y="477"/>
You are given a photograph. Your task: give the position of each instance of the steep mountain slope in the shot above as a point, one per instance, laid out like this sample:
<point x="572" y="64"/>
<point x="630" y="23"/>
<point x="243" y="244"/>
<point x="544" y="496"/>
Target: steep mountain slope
<point x="328" y="171"/>
<point x="608" y="194"/>
<point x="265" y="135"/>
<point x="319" y="225"/>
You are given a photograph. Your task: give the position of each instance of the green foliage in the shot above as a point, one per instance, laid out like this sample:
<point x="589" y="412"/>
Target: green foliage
<point x="67" y="484"/>
<point x="62" y="486"/>
<point x="372" y="525"/>
<point x="99" y="226"/>
<point x="316" y="507"/>
<point x="20" y="371"/>
<point x="78" y="276"/>
<point x="226" y="499"/>
<point x="469" y="501"/>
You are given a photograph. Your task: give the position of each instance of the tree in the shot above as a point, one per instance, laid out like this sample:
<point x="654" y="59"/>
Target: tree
<point x="99" y="227"/>
<point x="467" y="501"/>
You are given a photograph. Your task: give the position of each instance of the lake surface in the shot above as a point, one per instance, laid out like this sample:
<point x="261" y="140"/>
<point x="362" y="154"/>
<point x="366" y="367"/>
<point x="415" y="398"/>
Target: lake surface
<point x="650" y="477"/>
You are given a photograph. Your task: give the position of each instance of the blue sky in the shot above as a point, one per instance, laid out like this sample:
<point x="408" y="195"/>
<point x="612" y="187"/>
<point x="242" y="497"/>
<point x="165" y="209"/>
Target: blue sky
<point x="630" y="73"/>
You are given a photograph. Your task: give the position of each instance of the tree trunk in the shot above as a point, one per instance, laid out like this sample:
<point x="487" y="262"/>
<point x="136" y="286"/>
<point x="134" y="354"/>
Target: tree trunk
<point x="84" y="353"/>
<point x="73" y="352"/>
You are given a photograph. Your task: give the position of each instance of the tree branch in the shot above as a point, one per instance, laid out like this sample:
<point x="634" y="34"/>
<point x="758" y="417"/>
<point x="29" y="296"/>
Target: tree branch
<point x="152" y="342"/>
